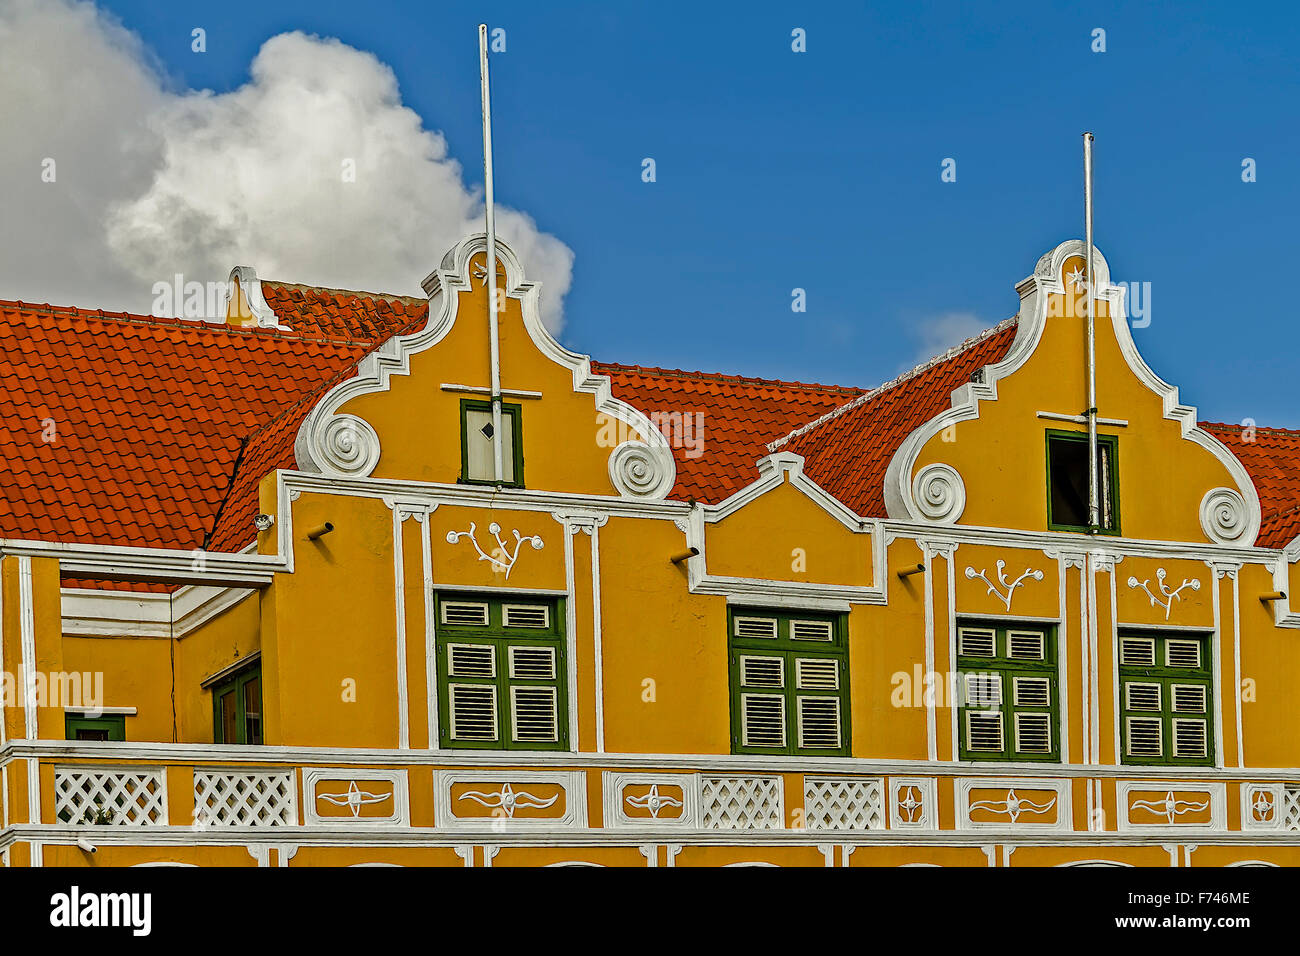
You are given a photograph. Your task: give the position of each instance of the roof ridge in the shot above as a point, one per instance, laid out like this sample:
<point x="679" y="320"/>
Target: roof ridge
<point x="167" y="321"/>
<point x="898" y="380"/>
<point x="1266" y="429"/>
<point x="723" y="377"/>
<point x="357" y="292"/>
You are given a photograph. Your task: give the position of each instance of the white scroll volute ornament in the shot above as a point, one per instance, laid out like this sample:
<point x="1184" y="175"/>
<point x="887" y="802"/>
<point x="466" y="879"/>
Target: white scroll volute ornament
<point x="939" y="493"/>
<point x="348" y="446"/>
<point x="1224" y="516"/>
<point x="639" y="470"/>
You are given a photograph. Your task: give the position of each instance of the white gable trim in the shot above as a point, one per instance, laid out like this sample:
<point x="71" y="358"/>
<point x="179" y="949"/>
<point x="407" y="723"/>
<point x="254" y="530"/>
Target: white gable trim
<point x="251" y="286"/>
<point x="342" y="445"/>
<point x="1035" y="291"/>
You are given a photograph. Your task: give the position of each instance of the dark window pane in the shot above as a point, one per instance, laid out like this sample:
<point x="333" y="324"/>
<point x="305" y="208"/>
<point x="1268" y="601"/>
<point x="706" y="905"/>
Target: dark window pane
<point x="1068" y="471"/>
<point x="253" y="711"/>
<point x="1069" y="491"/>
<point x="91" y="733"/>
<point x="229" y="718"/>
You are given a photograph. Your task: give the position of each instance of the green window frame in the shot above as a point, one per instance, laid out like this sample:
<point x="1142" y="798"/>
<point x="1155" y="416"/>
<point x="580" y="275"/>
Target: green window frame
<point x="237" y="707"/>
<point x="502" y="672"/>
<point x="103" y="727"/>
<point x="1166" y="698"/>
<point x="1008" y="692"/>
<point x="514" y="454"/>
<point x="789" y="682"/>
<point x="1107" y="480"/>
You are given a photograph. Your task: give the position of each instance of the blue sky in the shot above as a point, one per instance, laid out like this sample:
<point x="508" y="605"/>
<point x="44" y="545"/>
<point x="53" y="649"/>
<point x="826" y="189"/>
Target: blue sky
<point x="821" y="170"/>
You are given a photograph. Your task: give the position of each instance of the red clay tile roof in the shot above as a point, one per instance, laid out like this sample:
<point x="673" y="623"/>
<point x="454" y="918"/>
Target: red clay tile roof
<point x="848" y="452"/>
<point x="124" y="429"/>
<point x="335" y="314"/>
<point x="1272" y="458"/>
<point x="149" y="416"/>
<point x="738" y="417"/>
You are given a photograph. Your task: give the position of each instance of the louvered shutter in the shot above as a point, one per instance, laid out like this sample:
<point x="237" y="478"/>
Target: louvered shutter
<point x="1137" y="652"/>
<point x="1190" y="738"/>
<point x="819" y="722"/>
<point x="473" y="709"/>
<point x="465" y="613"/>
<point x="1145" y="736"/>
<point x="1025" y="645"/>
<point x="812" y="630"/>
<point x="976" y="642"/>
<point x="534" y="714"/>
<point x="763" y="719"/>
<point x="1033" y="733"/>
<point x="984" y="731"/>
<point x="526" y="615"/>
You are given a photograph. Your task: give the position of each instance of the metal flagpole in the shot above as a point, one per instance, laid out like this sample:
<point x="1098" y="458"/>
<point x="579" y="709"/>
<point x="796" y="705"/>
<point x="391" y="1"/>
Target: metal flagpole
<point x="491" y="252"/>
<point x="1094" y="514"/>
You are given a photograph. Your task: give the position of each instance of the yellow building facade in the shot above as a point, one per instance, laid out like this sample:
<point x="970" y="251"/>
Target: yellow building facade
<point x="696" y="620"/>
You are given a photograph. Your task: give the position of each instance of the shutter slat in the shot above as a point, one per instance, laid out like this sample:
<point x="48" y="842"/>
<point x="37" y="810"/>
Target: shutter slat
<point x="473" y="709"/>
<point x="812" y="630"/>
<point x="465" y="613"/>
<point x="1183" y="654"/>
<point x="526" y="615"/>
<point x="976" y="641"/>
<point x="1145" y="736"/>
<point x="471" y="660"/>
<point x="1025" y="645"/>
<point x="533" y="714"/>
<point x="820" y="673"/>
<point x="1137" y="651"/>
<point x="764" y="627"/>
<point x="819" y="722"/>
<point x="1031" y="691"/>
<point x="760" y="671"/>
<point x="984" y="731"/>
<point x="532" y="663"/>
<point x="1139" y="696"/>
<point x="762" y="720"/>
<point x="1033" y="733"/>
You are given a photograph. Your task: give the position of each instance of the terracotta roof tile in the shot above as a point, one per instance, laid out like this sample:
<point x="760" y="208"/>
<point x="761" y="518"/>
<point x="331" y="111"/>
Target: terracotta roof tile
<point x="737" y="418"/>
<point x="848" y="451"/>
<point x="124" y="429"/>
<point x="1272" y="459"/>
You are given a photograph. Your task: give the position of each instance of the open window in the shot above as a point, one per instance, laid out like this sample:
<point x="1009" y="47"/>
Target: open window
<point x="237" y="704"/>
<point x="1067" y="483"/>
<point x="79" y="726"/>
<point x="476" y="443"/>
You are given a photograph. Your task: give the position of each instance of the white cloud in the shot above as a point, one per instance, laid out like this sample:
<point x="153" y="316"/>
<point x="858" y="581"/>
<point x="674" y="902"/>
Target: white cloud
<point x="936" y="334"/>
<point x="152" y="182"/>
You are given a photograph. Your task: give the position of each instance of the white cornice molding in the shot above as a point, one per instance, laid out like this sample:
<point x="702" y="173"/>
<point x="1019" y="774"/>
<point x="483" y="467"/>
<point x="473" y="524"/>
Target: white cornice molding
<point x="1035" y="292"/>
<point x="344" y="445"/>
<point x="105" y="753"/>
<point x="113" y="562"/>
<point x="493" y="836"/>
<point x="89" y="612"/>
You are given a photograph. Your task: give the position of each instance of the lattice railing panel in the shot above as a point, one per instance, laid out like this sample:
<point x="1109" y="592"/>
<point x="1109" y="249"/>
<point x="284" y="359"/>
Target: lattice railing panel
<point x="245" y="798"/>
<point x="1291" y="807"/>
<point x="110" y="797"/>
<point x="740" y="803"/>
<point x="844" y="804"/>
